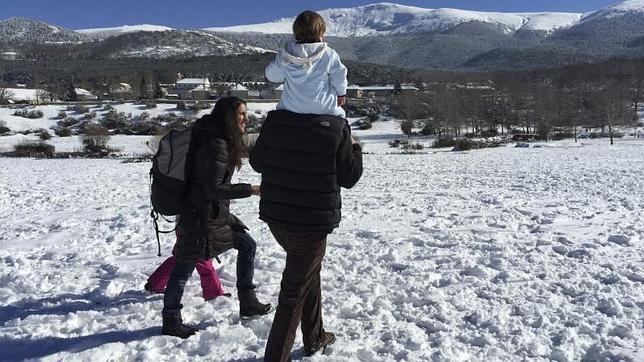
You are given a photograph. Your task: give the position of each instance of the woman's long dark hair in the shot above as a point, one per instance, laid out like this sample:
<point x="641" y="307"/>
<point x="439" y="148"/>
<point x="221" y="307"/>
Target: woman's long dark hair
<point x="224" y="112"/>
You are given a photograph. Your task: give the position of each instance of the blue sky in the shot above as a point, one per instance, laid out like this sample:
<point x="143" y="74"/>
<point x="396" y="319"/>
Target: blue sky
<point x="186" y="14"/>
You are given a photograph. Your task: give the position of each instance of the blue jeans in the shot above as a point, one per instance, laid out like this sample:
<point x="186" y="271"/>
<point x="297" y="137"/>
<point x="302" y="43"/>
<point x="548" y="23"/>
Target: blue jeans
<point x="246" y="247"/>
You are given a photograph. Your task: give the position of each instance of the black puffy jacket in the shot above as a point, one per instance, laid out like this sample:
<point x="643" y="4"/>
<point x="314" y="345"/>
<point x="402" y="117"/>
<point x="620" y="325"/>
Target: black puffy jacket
<point x="304" y="159"/>
<point x="206" y="226"/>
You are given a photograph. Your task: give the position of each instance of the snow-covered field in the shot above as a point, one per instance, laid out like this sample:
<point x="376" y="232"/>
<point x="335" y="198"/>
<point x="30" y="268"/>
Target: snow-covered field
<point x="497" y="254"/>
<point x="128" y="145"/>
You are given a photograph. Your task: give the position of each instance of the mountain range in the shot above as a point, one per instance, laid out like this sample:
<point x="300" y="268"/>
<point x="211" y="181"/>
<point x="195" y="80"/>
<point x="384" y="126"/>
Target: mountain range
<point x="384" y="33"/>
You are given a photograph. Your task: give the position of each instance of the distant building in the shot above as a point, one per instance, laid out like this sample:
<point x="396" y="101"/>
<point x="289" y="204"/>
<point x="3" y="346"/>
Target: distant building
<point x="84" y="95"/>
<point x="184" y="87"/>
<point x="239" y="91"/>
<point x="121" y="91"/>
<point x="200" y="93"/>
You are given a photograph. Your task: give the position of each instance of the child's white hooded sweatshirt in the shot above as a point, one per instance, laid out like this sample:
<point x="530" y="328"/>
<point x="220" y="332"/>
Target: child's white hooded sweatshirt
<point x="313" y="78"/>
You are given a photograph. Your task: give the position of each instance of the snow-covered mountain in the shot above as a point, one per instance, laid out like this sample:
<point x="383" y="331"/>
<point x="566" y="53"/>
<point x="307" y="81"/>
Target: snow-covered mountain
<point x="624" y="8"/>
<point x="102" y="33"/>
<point x="24" y="30"/>
<point x="383" y="33"/>
<point x="171" y="43"/>
<point x="389" y="19"/>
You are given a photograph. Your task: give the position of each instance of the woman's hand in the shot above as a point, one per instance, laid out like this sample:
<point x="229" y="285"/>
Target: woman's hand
<point x="254" y="190"/>
<point x="342" y="100"/>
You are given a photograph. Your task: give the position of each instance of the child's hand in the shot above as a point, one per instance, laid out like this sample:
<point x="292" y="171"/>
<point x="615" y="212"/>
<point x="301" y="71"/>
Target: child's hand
<point x="342" y="100"/>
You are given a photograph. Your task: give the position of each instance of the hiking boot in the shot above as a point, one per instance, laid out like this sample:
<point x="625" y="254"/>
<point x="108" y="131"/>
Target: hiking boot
<point x="324" y="339"/>
<point x="173" y="326"/>
<point x="250" y="307"/>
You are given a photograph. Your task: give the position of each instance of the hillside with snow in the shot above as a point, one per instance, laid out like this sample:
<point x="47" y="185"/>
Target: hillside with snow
<point x="102" y="33"/>
<point x="24" y="30"/>
<point x="389" y="19"/>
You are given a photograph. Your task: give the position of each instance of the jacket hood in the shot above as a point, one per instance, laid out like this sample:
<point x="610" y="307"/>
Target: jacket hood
<point x="301" y="56"/>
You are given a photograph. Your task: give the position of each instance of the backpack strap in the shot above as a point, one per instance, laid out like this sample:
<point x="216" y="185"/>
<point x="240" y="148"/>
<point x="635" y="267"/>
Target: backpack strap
<point x="155" y="217"/>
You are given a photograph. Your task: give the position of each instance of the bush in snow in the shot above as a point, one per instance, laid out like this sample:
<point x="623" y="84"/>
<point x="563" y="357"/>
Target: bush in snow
<point x="413" y="146"/>
<point x="150" y="105"/>
<point x="115" y="120"/>
<point x="80" y="109"/>
<point x="68" y="122"/>
<point x="89" y="116"/>
<point x="31" y="114"/>
<point x="144" y="116"/>
<point x="397" y="143"/>
<point x="44" y="135"/>
<point x="34" y="149"/>
<point x="181" y="106"/>
<point x="95" y="139"/>
<point x="362" y="124"/>
<point x="406" y="127"/>
<point x="3" y="128"/>
<point x="61" y="115"/>
<point x="63" y="132"/>
<point x="198" y="106"/>
<point x="444" y="142"/>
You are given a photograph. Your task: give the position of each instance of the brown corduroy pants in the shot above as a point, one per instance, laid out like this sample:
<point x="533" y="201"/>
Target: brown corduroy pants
<point x="300" y="293"/>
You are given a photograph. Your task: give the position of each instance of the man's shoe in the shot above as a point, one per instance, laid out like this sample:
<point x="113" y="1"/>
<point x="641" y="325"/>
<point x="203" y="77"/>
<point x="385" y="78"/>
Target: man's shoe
<point x="173" y="326"/>
<point x="324" y="339"/>
<point x="250" y="307"/>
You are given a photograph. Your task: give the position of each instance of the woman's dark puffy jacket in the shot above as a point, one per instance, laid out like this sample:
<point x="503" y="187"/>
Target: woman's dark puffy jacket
<point x="207" y="225"/>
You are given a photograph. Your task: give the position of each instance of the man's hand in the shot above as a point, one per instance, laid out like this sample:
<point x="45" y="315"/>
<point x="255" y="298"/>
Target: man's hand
<point x="353" y="140"/>
<point x="342" y="100"/>
<point x="254" y="190"/>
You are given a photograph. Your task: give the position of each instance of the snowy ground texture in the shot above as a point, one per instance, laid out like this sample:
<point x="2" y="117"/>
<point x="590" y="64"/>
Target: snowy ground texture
<point x="501" y="254"/>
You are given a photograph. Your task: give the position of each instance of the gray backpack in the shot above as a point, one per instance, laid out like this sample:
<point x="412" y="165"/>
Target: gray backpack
<point x="169" y="177"/>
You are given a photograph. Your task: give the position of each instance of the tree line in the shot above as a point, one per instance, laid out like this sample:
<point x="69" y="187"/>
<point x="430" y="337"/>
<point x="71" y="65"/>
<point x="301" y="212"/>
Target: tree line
<point x="541" y="103"/>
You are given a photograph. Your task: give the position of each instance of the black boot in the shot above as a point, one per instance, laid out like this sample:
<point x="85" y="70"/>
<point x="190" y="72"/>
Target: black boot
<point x="173" y="326"/>
<point x="324" y="339"/>
<point x="249" y="306"/>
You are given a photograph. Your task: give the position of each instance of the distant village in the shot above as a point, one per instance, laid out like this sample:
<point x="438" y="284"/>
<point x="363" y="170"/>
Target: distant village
<point x="191" y="89"/>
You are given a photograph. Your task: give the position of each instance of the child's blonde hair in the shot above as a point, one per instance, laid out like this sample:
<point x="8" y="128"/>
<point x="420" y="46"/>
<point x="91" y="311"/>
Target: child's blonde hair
<point x="309" y="27"/>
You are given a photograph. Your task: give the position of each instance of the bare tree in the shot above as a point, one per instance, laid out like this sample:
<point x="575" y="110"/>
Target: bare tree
<point x="5" y="95"/>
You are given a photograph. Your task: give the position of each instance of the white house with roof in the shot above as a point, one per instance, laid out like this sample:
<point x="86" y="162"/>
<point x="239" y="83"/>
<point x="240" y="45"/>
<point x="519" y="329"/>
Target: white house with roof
<point x="239" y="90"/>
<point x="84" y="95"/>
<point x="186" y="88"/>
<point x="121" y="91"/>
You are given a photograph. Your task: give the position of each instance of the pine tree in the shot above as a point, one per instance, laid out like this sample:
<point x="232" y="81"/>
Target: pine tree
<point x="70" y="93"/>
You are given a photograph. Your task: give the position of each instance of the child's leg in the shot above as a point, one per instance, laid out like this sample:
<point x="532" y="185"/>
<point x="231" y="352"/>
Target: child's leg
<point x="158" y="281"/>
<point x="210" y="283"/>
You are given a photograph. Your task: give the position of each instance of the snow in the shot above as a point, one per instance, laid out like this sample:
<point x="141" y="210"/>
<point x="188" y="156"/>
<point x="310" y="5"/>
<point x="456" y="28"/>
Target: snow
<point x="499" y="254"/>
<point x="24" y="94"/>
<point x="101" y="33"/>
<point x="388" y="18"/>
<point x="127" y="144"/>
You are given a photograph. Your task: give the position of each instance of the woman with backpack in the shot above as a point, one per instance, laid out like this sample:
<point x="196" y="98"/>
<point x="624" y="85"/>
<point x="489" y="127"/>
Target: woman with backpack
<point x="207" y="227"/>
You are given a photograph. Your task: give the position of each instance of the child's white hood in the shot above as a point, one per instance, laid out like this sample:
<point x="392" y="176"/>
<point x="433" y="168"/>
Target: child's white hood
<point x="302" y="54"/>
